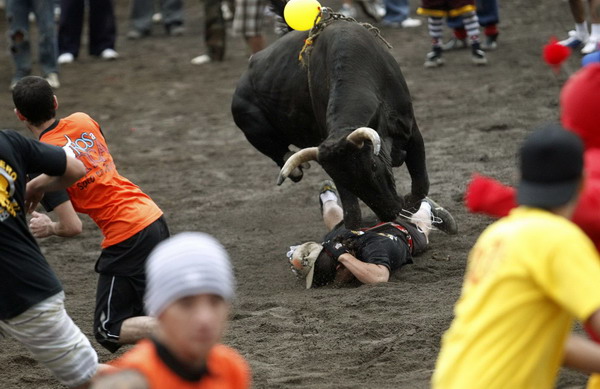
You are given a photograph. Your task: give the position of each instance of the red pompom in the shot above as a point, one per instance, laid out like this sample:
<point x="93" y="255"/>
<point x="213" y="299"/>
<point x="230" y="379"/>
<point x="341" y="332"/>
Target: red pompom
<point x="555" y="54"/>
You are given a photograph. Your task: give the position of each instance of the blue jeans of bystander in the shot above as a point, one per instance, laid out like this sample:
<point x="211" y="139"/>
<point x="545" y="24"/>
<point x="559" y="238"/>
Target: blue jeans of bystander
<point x="17" y="13"/>
<point x="396" y="11"/>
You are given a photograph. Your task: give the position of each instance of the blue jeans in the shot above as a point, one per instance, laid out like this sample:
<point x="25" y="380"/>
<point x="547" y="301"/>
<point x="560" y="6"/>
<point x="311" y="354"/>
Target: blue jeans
<point x="487" y="13"/>
<point x="17" y="13"/>
<point x="396" y="11"/>
<point x="142" y="10"/>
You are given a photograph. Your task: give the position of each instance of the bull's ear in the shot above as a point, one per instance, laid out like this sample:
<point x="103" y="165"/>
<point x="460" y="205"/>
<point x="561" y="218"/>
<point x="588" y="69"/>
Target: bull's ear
<point x="360" y="135"/>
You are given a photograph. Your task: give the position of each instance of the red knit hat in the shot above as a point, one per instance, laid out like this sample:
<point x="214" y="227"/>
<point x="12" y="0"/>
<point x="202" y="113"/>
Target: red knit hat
<point x="580" y="105"/>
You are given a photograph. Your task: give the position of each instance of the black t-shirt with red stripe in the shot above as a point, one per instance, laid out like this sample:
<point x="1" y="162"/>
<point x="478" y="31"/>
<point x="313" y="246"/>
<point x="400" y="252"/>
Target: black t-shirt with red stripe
<point x="389" y="248"/>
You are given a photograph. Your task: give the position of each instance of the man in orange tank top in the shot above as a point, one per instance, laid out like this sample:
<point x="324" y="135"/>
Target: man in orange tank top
<point x="132" y="224"/>
<point x="190" y="286"/>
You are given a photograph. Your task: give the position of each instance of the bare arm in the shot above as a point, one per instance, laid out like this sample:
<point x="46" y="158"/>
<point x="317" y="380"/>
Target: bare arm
<point x="581" y="353"/>
<point x="45" y="183"/>
<point x="367" y="273"/>
<point x="126" y="379"/>
<point x="68" y="223"/>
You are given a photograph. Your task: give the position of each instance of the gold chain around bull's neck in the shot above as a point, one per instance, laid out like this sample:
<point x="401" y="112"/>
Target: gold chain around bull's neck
<point x="324" y="19"/>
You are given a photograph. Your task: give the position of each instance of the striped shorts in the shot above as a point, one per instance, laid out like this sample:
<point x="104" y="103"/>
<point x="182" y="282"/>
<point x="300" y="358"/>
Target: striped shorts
<point x="54" y="340"/>
<point x="248" y="18"/>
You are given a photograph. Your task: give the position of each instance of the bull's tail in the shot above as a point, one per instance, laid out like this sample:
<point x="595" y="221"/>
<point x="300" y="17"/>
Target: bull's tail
<point x="277" y="7"/>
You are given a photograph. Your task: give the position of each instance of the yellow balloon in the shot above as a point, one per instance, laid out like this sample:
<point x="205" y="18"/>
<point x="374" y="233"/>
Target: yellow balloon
<point x="300" y="14"/>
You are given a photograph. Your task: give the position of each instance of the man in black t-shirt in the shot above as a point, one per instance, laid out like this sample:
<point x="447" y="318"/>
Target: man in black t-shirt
<point x="31" y="296"/>
<point x="370" y="254"/>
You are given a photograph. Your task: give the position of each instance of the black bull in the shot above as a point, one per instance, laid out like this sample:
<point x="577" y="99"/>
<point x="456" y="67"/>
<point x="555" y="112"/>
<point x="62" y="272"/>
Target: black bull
<point x="350" y="81"/>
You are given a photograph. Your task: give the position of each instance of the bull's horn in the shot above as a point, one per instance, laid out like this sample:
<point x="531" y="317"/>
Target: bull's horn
<point x="297" y="159"/>
<point x="359" y="135"/>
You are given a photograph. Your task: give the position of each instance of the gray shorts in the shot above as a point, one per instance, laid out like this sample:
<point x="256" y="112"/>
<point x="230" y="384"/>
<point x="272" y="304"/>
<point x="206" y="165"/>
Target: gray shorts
<point x="54" y="340"/>
<point x="248" y="18"/>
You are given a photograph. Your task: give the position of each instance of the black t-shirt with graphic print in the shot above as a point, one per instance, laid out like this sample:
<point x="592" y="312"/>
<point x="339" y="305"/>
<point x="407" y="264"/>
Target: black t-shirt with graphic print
<point x="389" y="249"/>
<point x="25" y="276"/>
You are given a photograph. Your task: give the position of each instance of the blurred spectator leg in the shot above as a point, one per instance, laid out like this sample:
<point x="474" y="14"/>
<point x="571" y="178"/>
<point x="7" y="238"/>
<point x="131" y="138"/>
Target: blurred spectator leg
<point x="247" y="22"/>
<point x="215" y="30"/>
<point x="172" y="13"/>
<point x="48" y="45"/>
<point x="103" y="30"/>
<point x="70" y="27"/>
<point x="17" y="13"/>
<point x="141" y="18"/>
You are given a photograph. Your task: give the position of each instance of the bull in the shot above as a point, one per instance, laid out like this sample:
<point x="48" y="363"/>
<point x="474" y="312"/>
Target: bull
<point x="347" y="107"/>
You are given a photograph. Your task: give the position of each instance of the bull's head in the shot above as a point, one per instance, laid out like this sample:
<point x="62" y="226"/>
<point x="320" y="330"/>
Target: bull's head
<point x="356" y="164"/>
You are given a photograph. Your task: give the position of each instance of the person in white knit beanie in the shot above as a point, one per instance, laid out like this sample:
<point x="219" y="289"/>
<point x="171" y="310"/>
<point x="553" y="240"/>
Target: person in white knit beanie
<point x="190" y="287"/>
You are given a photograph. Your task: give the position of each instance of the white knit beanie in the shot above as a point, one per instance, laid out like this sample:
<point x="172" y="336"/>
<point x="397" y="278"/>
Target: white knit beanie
<point x="187" y="264"/>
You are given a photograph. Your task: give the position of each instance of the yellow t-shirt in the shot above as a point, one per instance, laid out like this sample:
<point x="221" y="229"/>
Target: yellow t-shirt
<point x="528" y="276"/>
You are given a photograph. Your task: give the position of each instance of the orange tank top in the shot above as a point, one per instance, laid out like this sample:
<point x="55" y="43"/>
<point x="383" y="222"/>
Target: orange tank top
<point x="116" y="205"/>
<point x="226" y="368"/>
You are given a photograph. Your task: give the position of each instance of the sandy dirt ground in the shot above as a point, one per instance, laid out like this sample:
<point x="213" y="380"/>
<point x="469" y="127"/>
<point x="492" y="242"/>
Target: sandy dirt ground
<point x="169" y="128"/>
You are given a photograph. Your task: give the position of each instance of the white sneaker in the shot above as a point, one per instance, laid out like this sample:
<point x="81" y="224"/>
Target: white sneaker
<point x="410" y="22"/>
<point x="590" y="46"/>
<point x="226" y="11"/>
<point x="380" y="9"/>
<point x="109" y="54"/>
<point x="52" y="79"/>
<point x="157" y="17"/>
<point x="347" y="11"/>
<point x="201" y="59"/>
<point x="65" y="58"/>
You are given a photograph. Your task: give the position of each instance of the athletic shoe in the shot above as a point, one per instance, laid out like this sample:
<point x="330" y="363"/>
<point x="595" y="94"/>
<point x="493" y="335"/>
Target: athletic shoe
<point x="434" y="58"/>
<point x="455" y="44"/>
<point x="477" y="55"/>
<point x="410" y="23"/>
<point x="137" y="34"/>
<point x="573" y="41"/>
<point x="52" y="79"/>
<point x="441" y="218"/>
<point x="109" y="54"/>
<point x="65" y="58"/>
<point x="490" y="43"/>
<point x="370" y="8"/>
<point x="175" y="30"/>
<point x="226" y="11"/>
<point x="347" y="11"/>
<point x="201" y="59"/>
<point x="590" y="46"/>
<point x="327" y="186"/>
<point x="13" y="83"/>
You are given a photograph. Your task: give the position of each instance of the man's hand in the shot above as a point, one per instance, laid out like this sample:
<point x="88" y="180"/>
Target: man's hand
<point x="33" y="196"/>
<point x="41" y="225"/>
<point x="335" y="249"/>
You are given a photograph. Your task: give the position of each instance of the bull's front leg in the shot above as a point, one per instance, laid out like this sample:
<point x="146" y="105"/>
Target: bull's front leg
<point x="352" y="212"/>
<point x="417" y="168"/>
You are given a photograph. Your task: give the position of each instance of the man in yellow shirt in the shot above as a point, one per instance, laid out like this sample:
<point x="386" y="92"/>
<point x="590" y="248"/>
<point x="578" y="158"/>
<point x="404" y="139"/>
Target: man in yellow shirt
<point x="528" y="277"/>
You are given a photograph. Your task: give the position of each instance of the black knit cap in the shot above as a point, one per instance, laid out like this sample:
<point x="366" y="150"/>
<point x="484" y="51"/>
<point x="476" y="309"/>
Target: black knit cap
<point x="551" y="162"/>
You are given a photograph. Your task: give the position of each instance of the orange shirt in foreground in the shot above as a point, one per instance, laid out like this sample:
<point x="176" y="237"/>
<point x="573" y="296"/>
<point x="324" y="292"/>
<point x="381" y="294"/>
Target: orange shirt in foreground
<point x="226" y="368"/>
